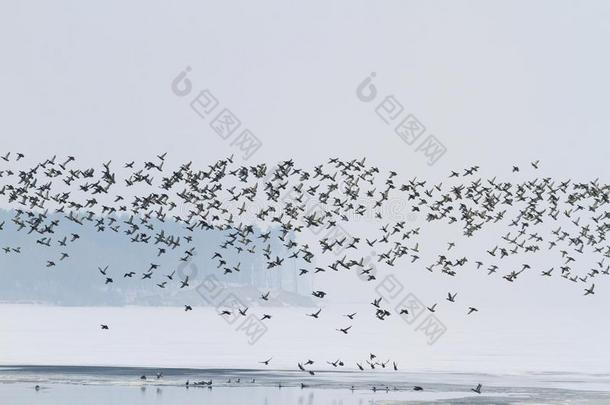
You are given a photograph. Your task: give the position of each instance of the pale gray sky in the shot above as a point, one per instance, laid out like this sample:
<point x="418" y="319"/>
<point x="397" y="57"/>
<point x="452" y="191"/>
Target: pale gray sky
<point x="496" y="82"/>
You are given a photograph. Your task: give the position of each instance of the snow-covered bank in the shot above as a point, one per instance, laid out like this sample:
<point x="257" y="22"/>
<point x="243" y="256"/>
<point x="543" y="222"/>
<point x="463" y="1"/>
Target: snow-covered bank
<point x="170" y="337"/>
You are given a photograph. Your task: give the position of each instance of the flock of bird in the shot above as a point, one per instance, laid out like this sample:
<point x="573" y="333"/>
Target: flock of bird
<point x="209" y="384"/>
<point x="237" y="381"/>
<point x="135" y="201"/>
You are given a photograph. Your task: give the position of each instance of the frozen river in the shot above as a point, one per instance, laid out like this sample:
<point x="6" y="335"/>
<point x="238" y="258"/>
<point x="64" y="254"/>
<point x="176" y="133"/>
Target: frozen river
<point x="121" y="385"/>
<point x="515" y="366"/>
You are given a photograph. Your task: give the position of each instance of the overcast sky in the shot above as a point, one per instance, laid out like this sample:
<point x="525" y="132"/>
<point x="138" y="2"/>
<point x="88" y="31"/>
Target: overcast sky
<point x="495" y="82"/>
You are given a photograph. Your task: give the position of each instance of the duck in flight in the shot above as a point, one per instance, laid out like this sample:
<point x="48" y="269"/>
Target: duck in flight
<point x="315" y="314"/>
<point x="589" y="291"/>
<point x="184" y="283"/>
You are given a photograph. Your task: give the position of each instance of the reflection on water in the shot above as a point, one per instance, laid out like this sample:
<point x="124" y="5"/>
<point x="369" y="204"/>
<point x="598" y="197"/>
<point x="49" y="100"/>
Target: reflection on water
<point x="108" y="386"/>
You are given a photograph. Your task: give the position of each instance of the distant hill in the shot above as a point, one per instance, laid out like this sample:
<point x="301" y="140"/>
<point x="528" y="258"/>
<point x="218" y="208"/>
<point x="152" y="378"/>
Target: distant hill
<point x="24" y="277"/>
